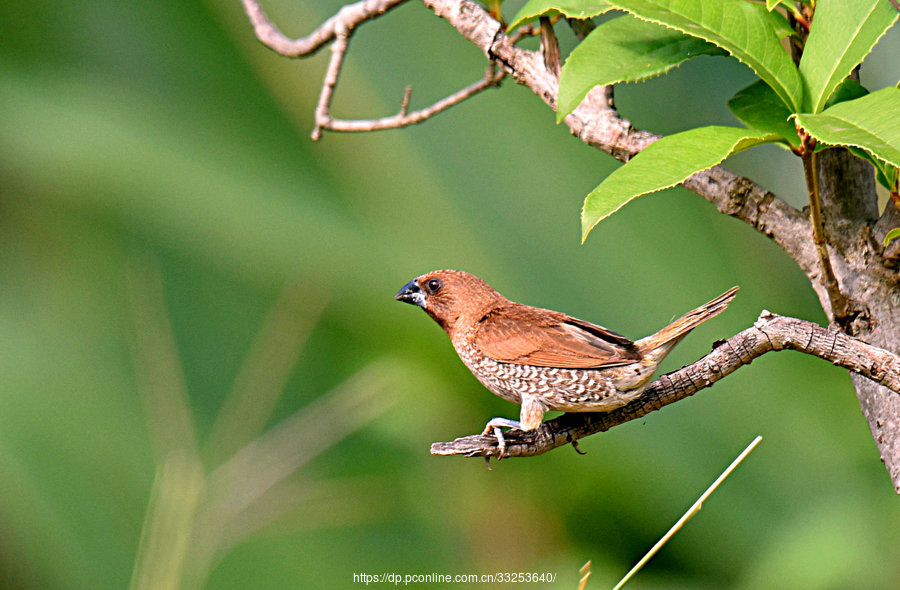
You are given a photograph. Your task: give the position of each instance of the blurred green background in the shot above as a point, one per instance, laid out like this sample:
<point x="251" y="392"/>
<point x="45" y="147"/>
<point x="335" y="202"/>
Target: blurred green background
<point x="182" y="269"/>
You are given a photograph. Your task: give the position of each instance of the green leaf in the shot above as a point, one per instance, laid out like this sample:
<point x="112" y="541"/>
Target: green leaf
<point x="534" y="9"/>
<point x="891" y="236"/>
<point x="884" y="172"/>
<point x="849" y="89"/>
<point x="781" y="25"/>
<point x="869" y="123"/>
<point x="663" y="164"/>
<point x="842" y="34"/>
<point x="624" y="49"/>
<point x="745" y="30"/>
<point x="759" y="107"/>
<point x="892" y="178"/>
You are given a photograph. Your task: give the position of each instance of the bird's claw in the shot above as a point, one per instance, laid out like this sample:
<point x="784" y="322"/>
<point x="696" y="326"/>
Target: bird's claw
<point x="577" y="450"/>
<point x="501" y="442"/>
<point x="496" y="425"/>
<point x="498" y="434"/>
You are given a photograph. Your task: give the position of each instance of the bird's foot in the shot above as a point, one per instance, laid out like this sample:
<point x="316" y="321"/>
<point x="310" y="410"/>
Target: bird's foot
<point x="495" y="425"/>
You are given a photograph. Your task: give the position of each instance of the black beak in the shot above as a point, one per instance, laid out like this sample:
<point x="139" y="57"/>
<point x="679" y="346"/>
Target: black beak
<point x="411" y="293"/>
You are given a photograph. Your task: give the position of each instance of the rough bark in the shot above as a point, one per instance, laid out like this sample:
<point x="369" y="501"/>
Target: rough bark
<point x="850" y="208"/>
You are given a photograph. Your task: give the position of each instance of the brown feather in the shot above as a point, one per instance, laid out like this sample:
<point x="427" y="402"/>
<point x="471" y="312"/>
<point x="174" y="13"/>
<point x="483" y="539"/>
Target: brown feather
<point x="525" y="335"/>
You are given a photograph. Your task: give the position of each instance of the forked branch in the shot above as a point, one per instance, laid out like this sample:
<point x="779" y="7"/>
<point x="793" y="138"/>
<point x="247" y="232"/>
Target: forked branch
<point x="596" y="121"/>
<point x="337" y="30"/>
<point x="403" y="118"/>
<point x="769" y="332"/>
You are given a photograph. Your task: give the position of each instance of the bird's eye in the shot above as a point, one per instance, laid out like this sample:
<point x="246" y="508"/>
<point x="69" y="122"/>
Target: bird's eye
<point x="433" y="285"/>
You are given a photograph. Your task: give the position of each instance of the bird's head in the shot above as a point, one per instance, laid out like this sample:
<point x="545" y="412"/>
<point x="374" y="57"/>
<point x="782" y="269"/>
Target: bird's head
<point x="450" y="296"/>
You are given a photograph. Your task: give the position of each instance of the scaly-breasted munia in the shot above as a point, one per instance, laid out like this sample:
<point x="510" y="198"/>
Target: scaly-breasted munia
<point x="542" y="359"/>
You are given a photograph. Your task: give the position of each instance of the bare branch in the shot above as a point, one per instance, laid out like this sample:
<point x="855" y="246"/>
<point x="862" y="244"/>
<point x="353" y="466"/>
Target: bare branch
<point x="338" y="50"/>
<point x="769" y="332"/>
<point x="595" y="121"/>
<point x="338" y="30"/>
<point x="348" y="18"/>
<point x="524" y="32"/>
<point x="492" y="77"/>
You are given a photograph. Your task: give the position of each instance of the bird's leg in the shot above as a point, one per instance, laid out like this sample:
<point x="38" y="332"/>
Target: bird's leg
<point x="496" y="424"/>
<point x="530" y="417"/>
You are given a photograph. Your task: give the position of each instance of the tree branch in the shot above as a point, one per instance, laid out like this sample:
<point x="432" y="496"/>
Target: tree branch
<point x="492" y="78"/>
<point x="595" y="121"/>
<point x="348" y="18"/>
<point x="598" y="124"/>
<point x="338" y="30"/>
<point x="769" y="332"/>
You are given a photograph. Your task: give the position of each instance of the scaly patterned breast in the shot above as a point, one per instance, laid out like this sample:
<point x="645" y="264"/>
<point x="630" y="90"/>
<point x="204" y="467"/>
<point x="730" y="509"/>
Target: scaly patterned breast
<point x="569" y="390"/>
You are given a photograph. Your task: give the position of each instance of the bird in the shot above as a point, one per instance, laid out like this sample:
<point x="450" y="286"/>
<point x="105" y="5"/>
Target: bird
<point x="542" y="359"/>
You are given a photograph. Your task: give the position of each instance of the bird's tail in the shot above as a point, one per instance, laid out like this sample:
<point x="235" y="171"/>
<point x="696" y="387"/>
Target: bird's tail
<point x="658" y="345"/>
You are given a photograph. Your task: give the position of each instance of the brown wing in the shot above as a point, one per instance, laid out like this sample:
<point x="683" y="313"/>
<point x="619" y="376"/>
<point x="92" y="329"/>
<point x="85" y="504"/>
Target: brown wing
<point x="531" y="336"/>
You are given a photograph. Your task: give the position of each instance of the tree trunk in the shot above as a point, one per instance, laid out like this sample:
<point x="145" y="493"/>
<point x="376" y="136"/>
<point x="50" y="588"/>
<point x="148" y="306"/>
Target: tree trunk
<point x="855" y="235"/>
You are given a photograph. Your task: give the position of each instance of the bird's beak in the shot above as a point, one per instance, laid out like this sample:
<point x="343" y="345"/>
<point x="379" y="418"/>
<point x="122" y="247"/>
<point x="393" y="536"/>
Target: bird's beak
<point x="411" y="293"/>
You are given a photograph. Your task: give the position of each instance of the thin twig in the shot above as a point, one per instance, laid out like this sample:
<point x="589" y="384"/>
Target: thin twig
<point x="770" y="332"/>
<point x="491" y="78"/>
<point x="338" y="50"/>
<point x="338" y="29"/>
<point x="524" y="31"/>
<point x="404" y="104"/>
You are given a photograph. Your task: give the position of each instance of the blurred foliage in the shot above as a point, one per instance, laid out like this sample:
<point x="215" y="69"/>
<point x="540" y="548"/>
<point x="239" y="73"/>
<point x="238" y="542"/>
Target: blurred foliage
<point x="162" y="203"/>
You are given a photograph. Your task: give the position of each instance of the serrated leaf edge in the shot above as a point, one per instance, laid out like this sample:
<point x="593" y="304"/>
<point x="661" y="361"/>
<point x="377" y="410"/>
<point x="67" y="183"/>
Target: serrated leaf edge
<point x="725" y="49"/>
<point x="798" y="116"/>
<point x="761" y="138"/>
